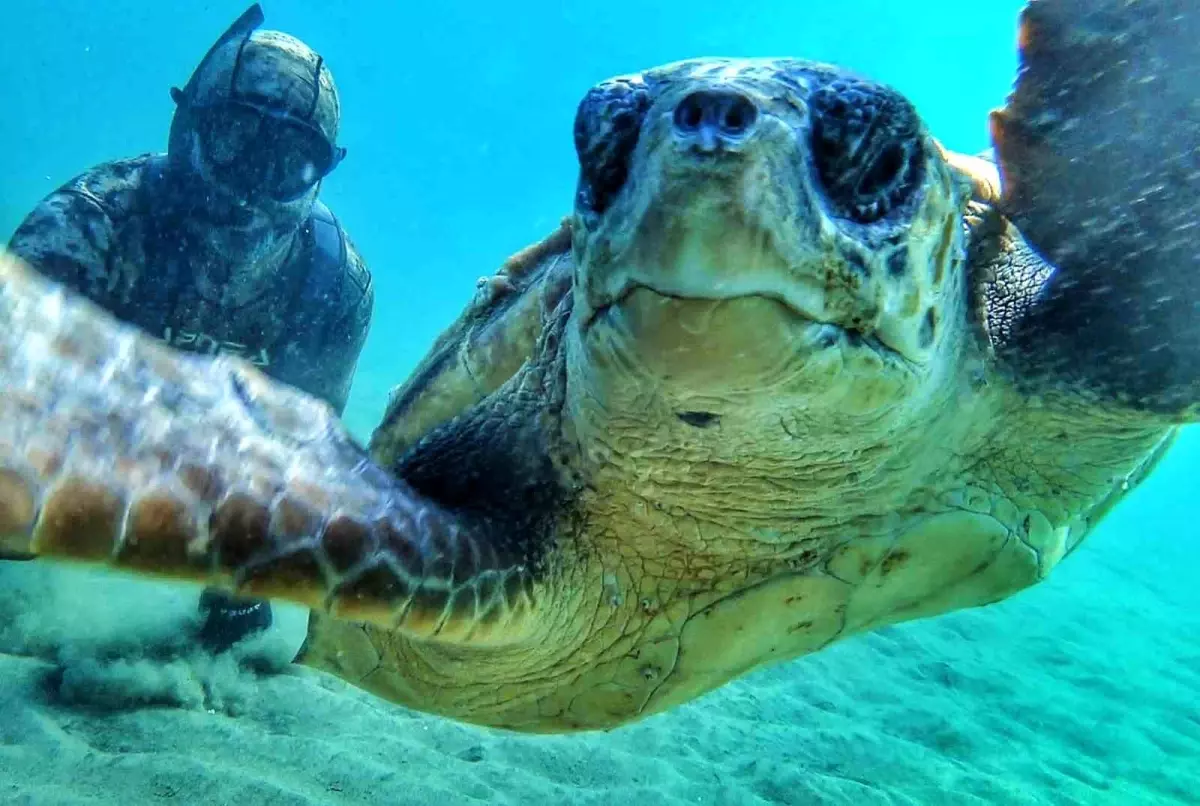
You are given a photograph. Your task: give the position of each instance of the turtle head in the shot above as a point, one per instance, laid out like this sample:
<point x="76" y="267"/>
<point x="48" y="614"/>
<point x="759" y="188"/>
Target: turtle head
<point x="764" y="233"/>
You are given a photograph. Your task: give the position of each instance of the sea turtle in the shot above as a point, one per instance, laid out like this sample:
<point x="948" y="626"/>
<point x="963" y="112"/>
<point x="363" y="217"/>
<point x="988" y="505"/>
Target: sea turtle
<point x="790" y="371"/>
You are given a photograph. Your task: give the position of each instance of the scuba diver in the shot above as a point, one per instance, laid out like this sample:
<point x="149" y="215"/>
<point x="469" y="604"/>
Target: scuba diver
<point x="220" y="245"/>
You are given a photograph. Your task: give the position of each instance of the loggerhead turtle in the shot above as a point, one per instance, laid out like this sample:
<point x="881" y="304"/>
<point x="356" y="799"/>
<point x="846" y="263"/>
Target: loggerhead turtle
<point x="790" y="372"/>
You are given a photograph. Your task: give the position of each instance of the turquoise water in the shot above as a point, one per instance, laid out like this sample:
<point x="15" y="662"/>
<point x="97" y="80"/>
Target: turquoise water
<point x="457" y="118"/>
<point x="457" y="115"/>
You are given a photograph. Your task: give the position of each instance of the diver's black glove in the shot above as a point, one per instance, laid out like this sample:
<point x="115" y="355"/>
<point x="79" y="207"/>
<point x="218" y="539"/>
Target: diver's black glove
<point x="228" y="620"/>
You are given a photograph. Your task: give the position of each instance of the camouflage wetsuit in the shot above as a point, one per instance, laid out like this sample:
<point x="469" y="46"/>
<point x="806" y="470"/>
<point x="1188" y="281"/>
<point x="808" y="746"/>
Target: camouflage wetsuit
<point x="109" y="235"/>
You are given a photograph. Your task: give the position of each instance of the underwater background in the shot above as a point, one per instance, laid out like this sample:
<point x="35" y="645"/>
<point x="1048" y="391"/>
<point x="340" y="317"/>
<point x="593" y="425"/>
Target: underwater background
<point x="457" y="117"/>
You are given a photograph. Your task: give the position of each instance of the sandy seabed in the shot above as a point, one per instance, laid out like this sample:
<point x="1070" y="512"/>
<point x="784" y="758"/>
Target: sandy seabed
<point x="1081" y="691"/>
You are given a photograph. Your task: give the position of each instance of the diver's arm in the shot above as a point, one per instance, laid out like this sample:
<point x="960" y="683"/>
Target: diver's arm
<point x="67" y="237"/>
<point x="338" y="357"/>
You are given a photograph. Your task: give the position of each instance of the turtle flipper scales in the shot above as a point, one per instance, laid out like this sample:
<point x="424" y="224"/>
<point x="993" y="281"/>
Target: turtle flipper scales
<point x="1099" y="150"/>
<point x="117" y="451"/>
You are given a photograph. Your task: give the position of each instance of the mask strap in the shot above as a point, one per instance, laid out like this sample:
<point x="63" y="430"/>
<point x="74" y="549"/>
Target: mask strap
<point x="312" y="110"/>
<point x="338" y="153"/>
<point x="237" y="66"/>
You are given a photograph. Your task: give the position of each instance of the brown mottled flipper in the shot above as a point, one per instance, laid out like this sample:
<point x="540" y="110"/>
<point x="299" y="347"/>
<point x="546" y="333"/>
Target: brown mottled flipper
<point x="485" y="346"/>
<point x="1099" y="147"/>
<point x="117" y="451"/>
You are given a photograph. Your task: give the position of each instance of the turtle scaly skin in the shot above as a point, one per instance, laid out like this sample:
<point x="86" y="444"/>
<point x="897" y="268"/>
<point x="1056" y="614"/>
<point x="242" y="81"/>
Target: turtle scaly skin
<point x="484" y="347"/>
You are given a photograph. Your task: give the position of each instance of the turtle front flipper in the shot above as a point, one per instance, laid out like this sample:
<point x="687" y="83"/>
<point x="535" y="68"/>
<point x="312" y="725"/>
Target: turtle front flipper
<point x="493" y="336"/>
<point x="1099" y="150"/>
<point x="118" y="451"/>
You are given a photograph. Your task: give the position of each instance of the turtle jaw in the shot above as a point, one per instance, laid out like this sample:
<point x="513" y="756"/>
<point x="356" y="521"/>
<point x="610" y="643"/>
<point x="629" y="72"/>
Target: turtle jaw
<point x="715" y="279"/>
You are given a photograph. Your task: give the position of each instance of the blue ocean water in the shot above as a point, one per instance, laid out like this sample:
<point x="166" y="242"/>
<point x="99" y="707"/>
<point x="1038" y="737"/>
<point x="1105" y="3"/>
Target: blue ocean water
<point x="457" y="120"/>
<point x="457" y="115"/>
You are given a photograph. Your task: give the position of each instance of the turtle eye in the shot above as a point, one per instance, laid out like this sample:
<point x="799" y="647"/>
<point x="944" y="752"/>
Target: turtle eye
<point x="607" y="125"/>
<point x="867" y="147"/>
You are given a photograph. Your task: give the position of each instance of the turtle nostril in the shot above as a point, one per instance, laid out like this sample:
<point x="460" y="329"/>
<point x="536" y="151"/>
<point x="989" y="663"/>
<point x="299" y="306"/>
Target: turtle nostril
<point x="690" y="113"/>
<point x="739" y="115"/>
<point x="711" y="120"/>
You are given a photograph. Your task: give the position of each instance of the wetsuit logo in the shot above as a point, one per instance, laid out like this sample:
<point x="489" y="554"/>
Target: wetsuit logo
<point x="207" y="345"/>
